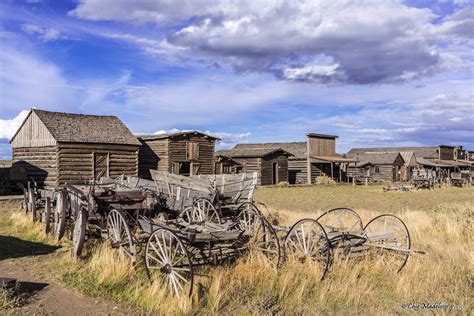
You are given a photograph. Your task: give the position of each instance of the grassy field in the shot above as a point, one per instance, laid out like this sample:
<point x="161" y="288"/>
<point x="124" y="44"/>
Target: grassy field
<point x="440" y="223"/>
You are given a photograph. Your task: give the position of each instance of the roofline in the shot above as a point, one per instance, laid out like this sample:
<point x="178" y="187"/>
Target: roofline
<point x="257" y="156"/>
<point x="23" y="123"/>
<point x="171" y="135"/>
<point x="321" y="135"/>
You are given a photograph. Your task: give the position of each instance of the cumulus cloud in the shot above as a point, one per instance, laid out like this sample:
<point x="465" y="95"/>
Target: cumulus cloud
<point x="8" y="127"/>
<point x="45" y="34"/>
<point x="360" y="42"/>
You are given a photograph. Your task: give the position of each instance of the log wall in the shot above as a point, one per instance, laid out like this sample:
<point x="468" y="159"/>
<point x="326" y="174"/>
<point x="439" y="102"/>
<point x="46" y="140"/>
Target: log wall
<point x="40" y="164"/>
<point x="266" y="165"/>
<point x="153" y="154"/>
<point x="76" y="161"/>
<point x="178" y="149"/>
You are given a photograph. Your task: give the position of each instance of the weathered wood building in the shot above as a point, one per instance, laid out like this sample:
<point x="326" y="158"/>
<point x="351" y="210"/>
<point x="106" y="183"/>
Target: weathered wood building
<point x="386" y="167"/>
<point x="57" y="148"/>
<point x="310" y="159"/>
<point x="185" y="153"/>
<point x="271" y="165"/>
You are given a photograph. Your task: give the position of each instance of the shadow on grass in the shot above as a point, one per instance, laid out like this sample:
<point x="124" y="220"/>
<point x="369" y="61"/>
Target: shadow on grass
<point x="13" y="247"/>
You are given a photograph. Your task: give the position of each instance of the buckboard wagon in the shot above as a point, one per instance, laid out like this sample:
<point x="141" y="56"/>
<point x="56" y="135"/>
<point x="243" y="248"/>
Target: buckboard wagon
<point x="181" y="226"/>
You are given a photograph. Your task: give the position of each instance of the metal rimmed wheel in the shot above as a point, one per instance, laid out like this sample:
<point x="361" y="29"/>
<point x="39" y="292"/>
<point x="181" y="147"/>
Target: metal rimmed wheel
<point x="250" y="207"/>
<point x="260" y="235"/>
<point x="201" y="211"/>
<point x="340" y="219"/>
<point x="167" y="259"/>
<point x="79" y="232"/>
<point x="60" y="214"/>
<point x="120" y="236"/>
<point x="307" y="240"/>
<point x="47" y="215"/>
<point x="389" y="237"/>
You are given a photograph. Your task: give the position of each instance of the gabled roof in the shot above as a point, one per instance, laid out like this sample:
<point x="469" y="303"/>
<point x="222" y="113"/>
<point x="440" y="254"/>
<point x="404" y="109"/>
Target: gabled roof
<point x="251" y="152"/>
<point x="80" y="128"/>
<point x="376" y="158"/>
<point x="297" y="149"/>
<point x="175" y="134"/>
<point x="420" y="152"/>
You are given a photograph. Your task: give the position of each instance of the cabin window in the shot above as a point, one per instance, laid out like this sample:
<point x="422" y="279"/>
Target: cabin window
<point x="192" y="151"/>
<point x="182" y="168"/>
<point x="376" y="169"/>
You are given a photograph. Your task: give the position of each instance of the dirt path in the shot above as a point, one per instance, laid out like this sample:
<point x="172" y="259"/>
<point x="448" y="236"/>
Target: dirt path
<point x="33" y="265"/>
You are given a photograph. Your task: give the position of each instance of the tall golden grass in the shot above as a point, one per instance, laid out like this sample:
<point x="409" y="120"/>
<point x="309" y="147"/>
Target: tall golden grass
<point x="251" y="286"/>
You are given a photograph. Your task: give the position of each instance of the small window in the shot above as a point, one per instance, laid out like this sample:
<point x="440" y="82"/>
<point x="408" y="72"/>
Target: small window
<point x="192" y="151"/>
<point x="376" y="169"/>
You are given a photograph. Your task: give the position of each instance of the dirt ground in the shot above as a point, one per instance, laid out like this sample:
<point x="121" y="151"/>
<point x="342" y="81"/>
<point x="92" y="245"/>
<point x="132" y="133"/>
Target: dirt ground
<point x="31" y="264"/>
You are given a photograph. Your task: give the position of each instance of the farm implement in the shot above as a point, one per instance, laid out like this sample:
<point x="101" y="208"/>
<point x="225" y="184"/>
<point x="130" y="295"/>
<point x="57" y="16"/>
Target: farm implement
<point x="178" y="224"/>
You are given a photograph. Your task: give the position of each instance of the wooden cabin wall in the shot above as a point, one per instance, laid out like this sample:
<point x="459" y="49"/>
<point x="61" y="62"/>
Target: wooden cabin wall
<point x="385" y="173"/>
<point x="40" y="163"/>
<point x="297" y="171"/>
<point x="267" y="169"/>
<point x="251" y="165"/>
<point x="177" y="152"/>
<point x="446" y="153"/>
<point x="33" y="134"/>
<point x="75" y="161"/>
<point x="321" y="146"/>
<point x="153" y="154"/>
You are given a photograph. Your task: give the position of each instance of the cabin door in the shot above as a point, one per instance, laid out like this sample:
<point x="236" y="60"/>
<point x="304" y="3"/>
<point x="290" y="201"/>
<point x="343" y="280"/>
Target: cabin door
<point x="101" y="165"/>
<point x="275" y="173"/>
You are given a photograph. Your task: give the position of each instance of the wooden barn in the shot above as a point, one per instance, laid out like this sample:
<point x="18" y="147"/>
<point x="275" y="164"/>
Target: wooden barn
<point x="57" y="148"/>
<point x="185" y="153"/>
<point x="226" y="165"/>
<point x="271" y="165"/>
<point x="314" y="157"/>
<point x="385" y="167"/>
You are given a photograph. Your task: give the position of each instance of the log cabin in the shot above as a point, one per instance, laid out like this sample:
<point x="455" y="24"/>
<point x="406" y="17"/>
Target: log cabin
<point x="271" y="165"/>
<point x="314" y="157"/>
<point x="384" y="167"/>
<point x="57" y="148"/>
<point x="185" y="153"/>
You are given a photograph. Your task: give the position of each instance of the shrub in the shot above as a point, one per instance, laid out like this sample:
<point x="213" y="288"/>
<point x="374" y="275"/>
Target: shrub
<point x="324" y="180"/>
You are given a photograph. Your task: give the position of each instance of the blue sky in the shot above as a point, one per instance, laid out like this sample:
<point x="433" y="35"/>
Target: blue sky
<point x="376" y="73"/>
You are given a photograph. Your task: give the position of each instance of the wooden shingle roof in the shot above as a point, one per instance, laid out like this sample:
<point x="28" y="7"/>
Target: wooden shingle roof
<point x="420" y="152"/>
<point x="375" y="158"/>
<point x="251" y="152"/>
<point x="176" y="134"/>
<point x="297" y="149"/>
<point x="80" y="128"/>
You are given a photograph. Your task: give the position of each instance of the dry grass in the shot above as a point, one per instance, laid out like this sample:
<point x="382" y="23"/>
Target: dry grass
<point x="441" y="225"/>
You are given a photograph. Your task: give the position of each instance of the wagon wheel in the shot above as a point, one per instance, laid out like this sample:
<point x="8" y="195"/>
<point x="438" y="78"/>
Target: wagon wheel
<point x="260" y="235"/>
<point x="390" y="238"/>
<point x="47" y="216"/>
<point x="120" y="236"/>
<point x="201" y="211"/>
<point x="340" y="219"/>
<point x="166" y="258"/>
<point x="248" y="206"/>
<point x="60" y="215"/>
<point x="307" y="240"/>
<point x="79" y="232"/>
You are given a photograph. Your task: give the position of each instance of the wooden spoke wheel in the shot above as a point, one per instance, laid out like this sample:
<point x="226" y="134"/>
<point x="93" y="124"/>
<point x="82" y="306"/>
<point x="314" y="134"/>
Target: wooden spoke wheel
<point x="201" y="211"/>
<point x="390" y="239"/>
<point x="307" y="240"/>
<point x="340" y="219"/>
<point x="167" y="259"/>
<point x="250" y="207"/>
<point x="60" y="214"/>
<point x="260" y="235"/>
<point x="120" y="236"/>
<point x="79" y="232"/>
<point x="47" y="215"/>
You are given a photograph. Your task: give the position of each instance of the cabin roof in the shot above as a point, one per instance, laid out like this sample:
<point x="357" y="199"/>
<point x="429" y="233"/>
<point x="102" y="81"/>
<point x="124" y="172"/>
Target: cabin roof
<point x="176" y="134"/>
<point x="420" y="152"/>
<point x="296" y="149"/>
<point x="251" y="152"/>
<point x="322" y="135"/>
<point x="376" y="158"/>
<point x="81" y="128"/>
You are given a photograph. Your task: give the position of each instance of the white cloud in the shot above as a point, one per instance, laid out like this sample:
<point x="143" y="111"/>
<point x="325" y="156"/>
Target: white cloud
<point x="8" y="127"/>
<point x="45" y="34"/>
<point x="367" y="41"/>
